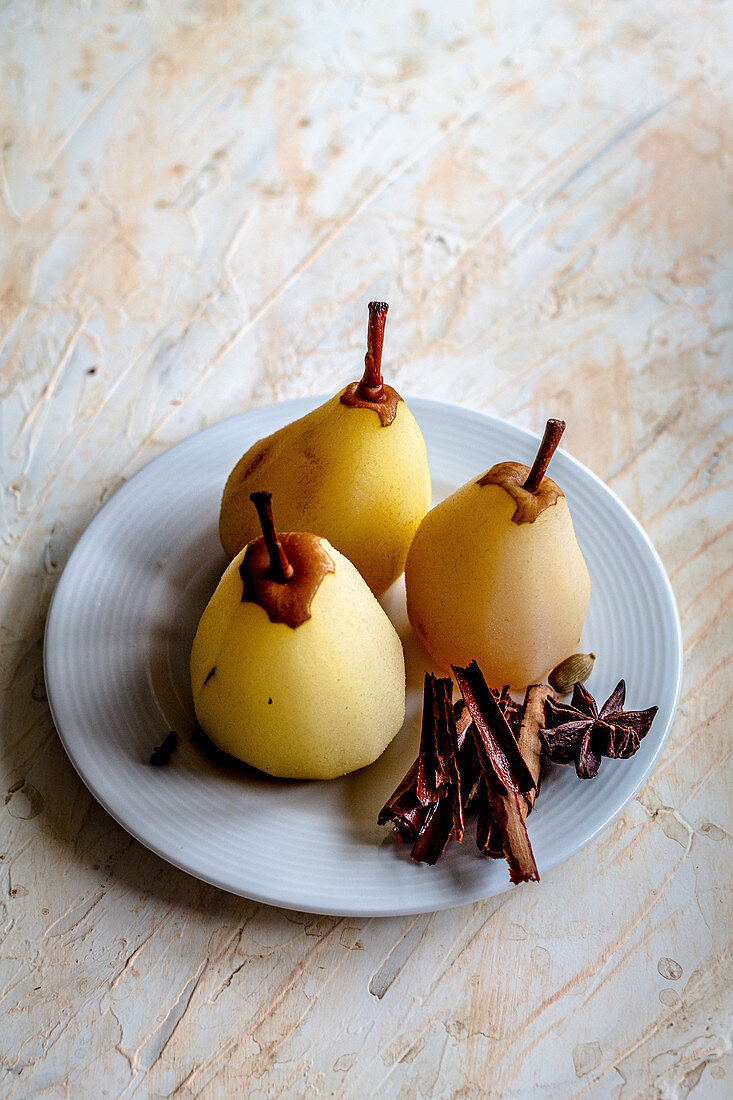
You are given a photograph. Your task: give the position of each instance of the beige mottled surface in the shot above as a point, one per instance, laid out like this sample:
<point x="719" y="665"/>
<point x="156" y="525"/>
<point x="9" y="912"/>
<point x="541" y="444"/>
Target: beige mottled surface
<point x="195" y="203"/>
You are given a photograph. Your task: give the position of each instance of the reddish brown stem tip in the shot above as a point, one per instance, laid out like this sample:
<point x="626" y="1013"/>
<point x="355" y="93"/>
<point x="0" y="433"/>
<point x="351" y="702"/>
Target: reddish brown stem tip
<point x="548" y="446"/>
<point x="371" y="387"/>
<point x="280" y="568"/>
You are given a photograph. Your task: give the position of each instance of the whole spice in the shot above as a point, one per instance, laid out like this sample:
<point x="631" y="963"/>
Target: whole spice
<point x="578" y="732"/>
<point x="427" y="807"/>
<point x="496" y="745"/>
<point x="162" y="753"/>
<point x="509" y="812"/>
<point x="530" y="717"/>
<point x="453" y="770"/>
<point x="507" y="778"/>
<point x="432" y="769"/>
<point x="435" y="833"/>
<point x="528" y="734"/>
<point x="492" y="770"/>
<point x="573" y="670"/>
<point x="484" y="756"/>
<point x="440" y="792"/>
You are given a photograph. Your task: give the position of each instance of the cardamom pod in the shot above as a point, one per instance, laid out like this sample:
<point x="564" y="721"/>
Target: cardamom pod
<point x="573" y="670"/>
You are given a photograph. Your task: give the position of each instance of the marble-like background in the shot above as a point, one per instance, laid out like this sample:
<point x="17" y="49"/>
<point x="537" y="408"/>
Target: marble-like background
<point x="196" y="201"/>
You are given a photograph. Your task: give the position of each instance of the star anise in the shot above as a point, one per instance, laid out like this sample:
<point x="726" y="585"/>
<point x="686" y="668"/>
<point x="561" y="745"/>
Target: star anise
<point x="579" y="732"/>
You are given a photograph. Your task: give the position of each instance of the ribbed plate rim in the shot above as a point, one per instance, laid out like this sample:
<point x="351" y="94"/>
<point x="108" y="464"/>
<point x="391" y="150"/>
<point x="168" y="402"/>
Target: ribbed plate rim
<point x="300" y="406"/>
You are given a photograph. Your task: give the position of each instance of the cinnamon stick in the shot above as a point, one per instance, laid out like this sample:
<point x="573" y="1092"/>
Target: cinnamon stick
<point x="432" y="776"/>
<point x="528" y="738"/>
<point x="497" y="750"/>
<point x="447" y="724"/>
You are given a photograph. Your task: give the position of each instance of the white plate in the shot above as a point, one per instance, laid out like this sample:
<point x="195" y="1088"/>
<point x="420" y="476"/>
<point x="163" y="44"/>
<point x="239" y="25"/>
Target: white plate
<point x="116" y="662"/>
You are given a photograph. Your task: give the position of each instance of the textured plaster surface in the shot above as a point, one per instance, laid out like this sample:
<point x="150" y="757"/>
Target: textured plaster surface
<point x="196" y="201"/>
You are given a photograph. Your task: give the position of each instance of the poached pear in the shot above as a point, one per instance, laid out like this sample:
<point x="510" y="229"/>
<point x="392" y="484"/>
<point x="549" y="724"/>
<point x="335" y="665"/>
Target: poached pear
<point x="295" y="667"/>
<point x="354" y="470"/>
<point x="495" y="574"/>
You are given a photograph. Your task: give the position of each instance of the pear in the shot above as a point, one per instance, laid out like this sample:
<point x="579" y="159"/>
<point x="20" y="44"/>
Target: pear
<point x="295" y="667"/>
<point x="354" y="470"/>
<point x="495" y="574"/>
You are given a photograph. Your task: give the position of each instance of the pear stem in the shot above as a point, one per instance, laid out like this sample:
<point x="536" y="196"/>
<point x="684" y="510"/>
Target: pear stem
<point x="280" y="568"/>
<point x="371" y="387"/>
<point x="550" y="440"/>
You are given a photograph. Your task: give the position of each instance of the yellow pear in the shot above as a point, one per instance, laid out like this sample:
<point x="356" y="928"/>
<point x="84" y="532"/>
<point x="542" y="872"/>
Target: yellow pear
<point x="354" y="470"/>
<point x="495" y="574"/>
<point x="295" y="667"/>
